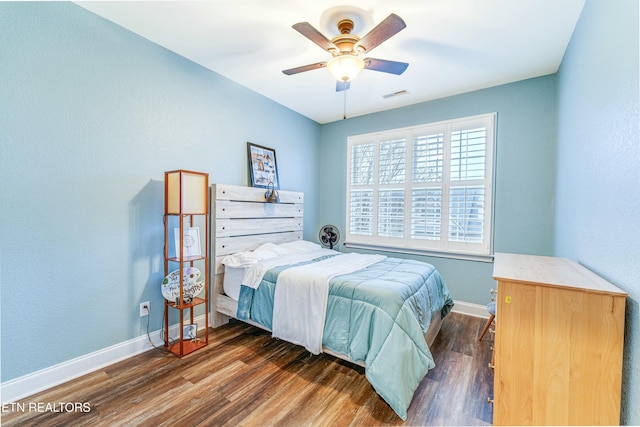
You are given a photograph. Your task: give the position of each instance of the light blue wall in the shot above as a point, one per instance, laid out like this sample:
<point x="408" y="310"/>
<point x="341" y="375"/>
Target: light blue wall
<point x="91" y="116"/>
<point x="598" y="182"/>
<point x="525" y="170"/>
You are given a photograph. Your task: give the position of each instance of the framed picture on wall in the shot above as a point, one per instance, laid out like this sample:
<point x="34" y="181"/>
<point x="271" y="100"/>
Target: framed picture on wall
<point x="262" y="166"/>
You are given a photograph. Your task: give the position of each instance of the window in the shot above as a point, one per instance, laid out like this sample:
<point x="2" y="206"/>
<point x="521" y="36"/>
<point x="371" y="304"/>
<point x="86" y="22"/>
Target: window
<point x="424" y="189"/>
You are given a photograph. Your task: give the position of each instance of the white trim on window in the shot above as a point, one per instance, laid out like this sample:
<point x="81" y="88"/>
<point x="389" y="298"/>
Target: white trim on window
<point x="423" y="189"/>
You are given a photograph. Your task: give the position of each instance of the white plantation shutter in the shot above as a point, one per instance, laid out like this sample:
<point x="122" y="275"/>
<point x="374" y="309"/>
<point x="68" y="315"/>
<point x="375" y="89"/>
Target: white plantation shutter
<point x="466" y="214"/>
<point x="468" y="154"/>
<point x="426" y="213"/>
<point x="424" y="189"/>
<point x="391" y="199"/>
<point x="392" y="161"/>
<point x="391" y="212"/>
<point x="362" y="164"/>
<point x="361" y="219"/>
<point x="428" y="151"/>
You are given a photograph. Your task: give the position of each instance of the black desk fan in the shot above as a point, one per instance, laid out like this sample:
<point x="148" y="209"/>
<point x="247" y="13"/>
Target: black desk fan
<point x="329" y="236"/>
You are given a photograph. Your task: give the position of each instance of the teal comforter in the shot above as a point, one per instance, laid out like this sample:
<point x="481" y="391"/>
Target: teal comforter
<point x="377" y="315"/>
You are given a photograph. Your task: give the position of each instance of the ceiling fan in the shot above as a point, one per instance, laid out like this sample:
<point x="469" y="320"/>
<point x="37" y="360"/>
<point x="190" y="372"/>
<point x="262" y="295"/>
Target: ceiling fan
<point x="346" y="48"/>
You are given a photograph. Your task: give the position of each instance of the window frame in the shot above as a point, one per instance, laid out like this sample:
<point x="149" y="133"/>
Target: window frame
<point x="443" y="247"/>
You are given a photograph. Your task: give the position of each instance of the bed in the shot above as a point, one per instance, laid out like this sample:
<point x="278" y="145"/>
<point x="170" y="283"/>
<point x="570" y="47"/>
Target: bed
<point x="379" y="312"/>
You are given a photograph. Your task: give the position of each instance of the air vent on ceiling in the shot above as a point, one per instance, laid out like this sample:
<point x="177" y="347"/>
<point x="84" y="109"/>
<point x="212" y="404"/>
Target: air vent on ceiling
<point x="398" y="93"/>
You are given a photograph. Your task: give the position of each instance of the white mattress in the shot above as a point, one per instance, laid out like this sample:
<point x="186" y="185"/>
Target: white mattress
<point x="232" y="281"/>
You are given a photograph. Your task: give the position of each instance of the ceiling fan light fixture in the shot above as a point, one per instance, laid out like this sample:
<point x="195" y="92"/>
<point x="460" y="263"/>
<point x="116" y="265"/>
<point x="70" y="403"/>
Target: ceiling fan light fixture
<point x="345" y="67"/>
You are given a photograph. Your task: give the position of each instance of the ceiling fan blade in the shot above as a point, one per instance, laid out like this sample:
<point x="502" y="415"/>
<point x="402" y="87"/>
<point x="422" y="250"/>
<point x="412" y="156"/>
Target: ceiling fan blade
<point x="385" y="66"/>
<point x="314" y="35"/>
<point x="303" y="68"/>
<point x="341" y="86"/>
<point x="391" y="25"/>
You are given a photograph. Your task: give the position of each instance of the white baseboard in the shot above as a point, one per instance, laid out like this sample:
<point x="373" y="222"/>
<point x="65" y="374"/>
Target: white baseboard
<point x="30" y="384"/>
<point x="471" y="309"/>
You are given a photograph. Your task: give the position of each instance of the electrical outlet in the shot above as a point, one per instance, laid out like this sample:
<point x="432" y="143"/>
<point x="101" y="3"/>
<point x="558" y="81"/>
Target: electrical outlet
<point x="145" y="308"/>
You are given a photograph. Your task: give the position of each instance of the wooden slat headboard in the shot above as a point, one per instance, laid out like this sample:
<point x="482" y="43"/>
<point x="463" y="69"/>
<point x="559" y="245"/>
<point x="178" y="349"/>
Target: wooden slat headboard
<point x="242" y="221"/>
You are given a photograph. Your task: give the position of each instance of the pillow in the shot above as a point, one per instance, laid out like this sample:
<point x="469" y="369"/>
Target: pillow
<point x="298" y="246"/>
<point x="240" y="259"/>
<point x="269" y="250"/>
<point x="247" y="258"/>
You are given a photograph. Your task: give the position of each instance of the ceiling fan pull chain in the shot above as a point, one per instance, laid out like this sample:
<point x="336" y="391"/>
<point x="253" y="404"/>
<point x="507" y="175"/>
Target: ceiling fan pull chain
<point x="345" y="106"/>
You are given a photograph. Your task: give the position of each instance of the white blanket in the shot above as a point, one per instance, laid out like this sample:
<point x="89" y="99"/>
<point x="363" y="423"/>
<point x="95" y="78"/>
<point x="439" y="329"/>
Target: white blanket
<point x="253" y="275"/>
<point x="300" y="300"/>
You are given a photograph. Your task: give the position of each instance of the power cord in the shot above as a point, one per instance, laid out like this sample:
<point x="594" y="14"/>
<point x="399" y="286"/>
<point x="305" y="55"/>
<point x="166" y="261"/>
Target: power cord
<point x="162" y="334"/>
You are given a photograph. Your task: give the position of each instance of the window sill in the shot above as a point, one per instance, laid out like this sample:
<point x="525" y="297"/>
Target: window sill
<point x="425" y="252"/>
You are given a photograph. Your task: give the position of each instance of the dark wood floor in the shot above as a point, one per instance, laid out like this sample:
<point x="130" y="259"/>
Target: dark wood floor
<point x="244" y="377"/>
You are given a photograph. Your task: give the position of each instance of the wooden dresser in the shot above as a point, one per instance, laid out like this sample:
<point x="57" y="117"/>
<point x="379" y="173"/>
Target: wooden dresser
<point x="558" y="343"/>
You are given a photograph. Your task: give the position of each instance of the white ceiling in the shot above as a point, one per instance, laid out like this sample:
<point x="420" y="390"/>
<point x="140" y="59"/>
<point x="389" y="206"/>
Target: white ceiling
<point x="452" y="46"/>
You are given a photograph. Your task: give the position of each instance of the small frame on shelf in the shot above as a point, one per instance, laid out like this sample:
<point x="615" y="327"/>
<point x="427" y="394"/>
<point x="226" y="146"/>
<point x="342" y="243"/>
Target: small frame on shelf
<point x="262" y="166"/>
<point x="190" y="332"/>
<point x="191" y="242"/>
